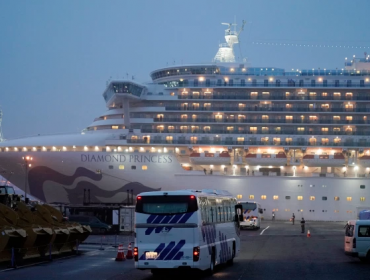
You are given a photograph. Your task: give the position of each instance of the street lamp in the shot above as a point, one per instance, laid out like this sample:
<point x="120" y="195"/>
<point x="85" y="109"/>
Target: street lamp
<point x="26" y="160"/>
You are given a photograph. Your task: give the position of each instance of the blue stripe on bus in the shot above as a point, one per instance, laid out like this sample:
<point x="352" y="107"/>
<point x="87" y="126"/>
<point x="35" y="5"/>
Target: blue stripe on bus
<point x="186" y="217"/>
<point x="157" y="220"/>
<point x="164" y="221"/>
<point x="176" y="218"/>
<point x="175" y="250"/>
<point x="178" y="256"/>
<point x="164" y="253"/>
<point x="151" y="218"/>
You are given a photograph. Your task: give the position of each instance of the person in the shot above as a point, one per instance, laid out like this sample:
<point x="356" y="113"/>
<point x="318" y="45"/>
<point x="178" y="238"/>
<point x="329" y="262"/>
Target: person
<point x="293" y="218"/>
<point x="205" y="171"/>
<point x="302" y="225"/>
<point x="248" y="172"/>
<point x="253" y="172"/>
<point x="211" y="172"/>
<point x="273" y="215"/>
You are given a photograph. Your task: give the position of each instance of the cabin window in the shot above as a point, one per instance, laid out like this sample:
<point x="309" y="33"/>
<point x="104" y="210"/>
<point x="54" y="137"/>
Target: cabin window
<point x="251" y="196"/>
<point x="349" y="198"/>
<point x="300" y="197"/>
<point x="121" y="167"/>
<point x="133" y="167"/>
<point x="362" y="198"/>
<point x="239" y="196"/>
<point x="144" y="167"/>
<point x="312" y="198"/>
<point x="110" y="166"/>
<point x="275" y="197"/>
<point x="324" y="198"/>
<point x="263" y="197"/>
<point x="336" y="198"/>
<point x="362" y="186"/>
<point x="287" y="197"/>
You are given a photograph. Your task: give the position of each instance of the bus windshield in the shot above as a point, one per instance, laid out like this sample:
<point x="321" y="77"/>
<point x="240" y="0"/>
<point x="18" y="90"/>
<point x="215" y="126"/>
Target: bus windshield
<point x="174" y="204"/>
<point x="249" y="206"/>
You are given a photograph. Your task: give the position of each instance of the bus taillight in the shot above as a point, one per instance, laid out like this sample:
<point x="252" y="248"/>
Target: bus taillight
<point x="136" y="254"/>
<point x="196" y="253"/>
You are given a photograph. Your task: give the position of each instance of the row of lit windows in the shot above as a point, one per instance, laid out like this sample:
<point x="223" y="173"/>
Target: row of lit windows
<point x="299" y="197"/>
<point x="133" y="167"/>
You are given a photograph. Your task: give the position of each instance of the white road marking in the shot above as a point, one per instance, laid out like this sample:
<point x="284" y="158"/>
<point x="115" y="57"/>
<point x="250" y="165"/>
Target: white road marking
<point x="264" y="230"/>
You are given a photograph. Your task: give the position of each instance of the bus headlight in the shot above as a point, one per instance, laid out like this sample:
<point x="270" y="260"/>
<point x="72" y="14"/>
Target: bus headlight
<point x="196" y="253"/>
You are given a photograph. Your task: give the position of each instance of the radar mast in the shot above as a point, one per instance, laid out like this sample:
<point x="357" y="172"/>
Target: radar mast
<point x="226" y="50"/>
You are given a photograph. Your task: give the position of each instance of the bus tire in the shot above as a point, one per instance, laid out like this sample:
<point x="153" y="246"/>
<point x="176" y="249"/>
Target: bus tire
<point x="231" y="261"/>
<point x="211" y="269"/>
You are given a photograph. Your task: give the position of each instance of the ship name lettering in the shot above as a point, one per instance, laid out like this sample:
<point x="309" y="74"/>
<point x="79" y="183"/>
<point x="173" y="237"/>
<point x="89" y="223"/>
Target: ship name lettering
<point x="131" y="158"/>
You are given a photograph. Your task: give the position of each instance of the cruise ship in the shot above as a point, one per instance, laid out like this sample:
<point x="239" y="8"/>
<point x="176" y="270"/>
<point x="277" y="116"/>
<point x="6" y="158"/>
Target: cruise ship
<point x="296" y="141"/>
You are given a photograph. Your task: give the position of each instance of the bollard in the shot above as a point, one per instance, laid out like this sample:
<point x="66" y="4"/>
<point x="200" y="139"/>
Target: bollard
<point x="115" y="241"/>
<point x="13" y="259"/>
<point x="50" y="258"/>
<point x="77" y="244"/>
<point x="101" y="243"/>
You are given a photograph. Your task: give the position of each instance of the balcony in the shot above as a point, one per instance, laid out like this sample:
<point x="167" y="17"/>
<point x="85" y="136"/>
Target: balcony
<point x="302" y="143"/>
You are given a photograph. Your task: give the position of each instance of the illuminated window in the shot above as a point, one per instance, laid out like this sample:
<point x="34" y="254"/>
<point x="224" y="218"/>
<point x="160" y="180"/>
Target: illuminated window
<point x="263" y="197"/>
<point x="301" y="129"/>
<point x="193" y="139"/>
<point x="230" y="128"/>
<point x="275" y="197"/>
<point x="114" y="126"/>
<point x="207" y="129"/>
<point x="324" y="94"/>
<point x="265" y="117"/>
<point x="251" y="196"/>
<point x="336" y="198"/>
<point x="336" y="211"/>
<point x="288" y="106"/>
<point x="312" y="198"/>
<point x="287" y="210"/>
<point x="144" y="167"/>
<point x="336" y="118"/>
<point x="265" y="129"/>
<point x="336" y="93"/>
<point x="362" y="198"/>
<point x="289" y="140"/>
<point x="121" y="167"/>
<point x="239" y="196"/>
<point x="349" y="198"/>
<point x="172" y="93"/>
<point x="253" y="129"/>
<point x="265" y="93"/>
<point x="300" y="197"/>
<point x="160" y="127"/>
<point x="254" y="93"/>
<point x="241" y="105"/>
<point x="336" y="129"/>
<point x="324" y="129"/>
<point x="288" y="117"/>
<point x="348" y="118"/>
<point x="240" y="139"/>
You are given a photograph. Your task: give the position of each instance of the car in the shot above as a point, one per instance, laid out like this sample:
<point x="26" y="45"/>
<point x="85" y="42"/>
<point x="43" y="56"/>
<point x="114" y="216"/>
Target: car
<point x="95" y="224"/>
<point x="357" y="239"/>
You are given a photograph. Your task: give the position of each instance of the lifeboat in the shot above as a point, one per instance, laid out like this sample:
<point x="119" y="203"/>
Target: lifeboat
<point x="266" y="159"/>
<point x="335" y="160"/>
<point x="364" y="161"/>
<point x="210" y="158"/>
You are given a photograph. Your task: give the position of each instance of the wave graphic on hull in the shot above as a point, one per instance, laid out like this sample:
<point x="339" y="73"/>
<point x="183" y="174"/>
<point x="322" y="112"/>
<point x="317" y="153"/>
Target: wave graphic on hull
<point x="39" y="175"/>
<point x="76" y="195"/>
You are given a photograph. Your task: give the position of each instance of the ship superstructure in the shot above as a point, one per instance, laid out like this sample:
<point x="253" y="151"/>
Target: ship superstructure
<point x="297" y="141"/>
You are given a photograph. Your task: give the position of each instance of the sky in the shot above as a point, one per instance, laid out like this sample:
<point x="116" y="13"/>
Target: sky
<point x="56" y="56"/>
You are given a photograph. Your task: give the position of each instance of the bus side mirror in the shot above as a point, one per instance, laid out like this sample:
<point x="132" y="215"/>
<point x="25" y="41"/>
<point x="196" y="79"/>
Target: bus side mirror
<point x="239" y="213"/>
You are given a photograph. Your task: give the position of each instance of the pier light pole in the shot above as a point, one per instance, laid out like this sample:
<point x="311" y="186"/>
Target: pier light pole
<point x="26" y="162"/>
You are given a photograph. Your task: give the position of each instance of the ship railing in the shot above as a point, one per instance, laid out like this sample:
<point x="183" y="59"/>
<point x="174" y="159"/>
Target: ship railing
<point x="265" y="109"/>
<point x="251" y="143"/>
<point x="271" y="96"/>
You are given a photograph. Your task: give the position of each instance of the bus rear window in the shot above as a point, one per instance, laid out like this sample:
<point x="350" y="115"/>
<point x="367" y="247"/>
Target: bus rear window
<point x="167" y="204"/>
<point x="248" y="206"/>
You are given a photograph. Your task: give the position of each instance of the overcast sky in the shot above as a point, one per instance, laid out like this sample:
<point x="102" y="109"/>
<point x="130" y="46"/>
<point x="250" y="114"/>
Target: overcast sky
<point x="56" y="56"/>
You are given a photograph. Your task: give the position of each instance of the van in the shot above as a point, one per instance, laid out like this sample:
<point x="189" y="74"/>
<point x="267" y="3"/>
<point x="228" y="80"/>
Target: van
<point x="357" y="239"/>
<point x="95" y="224"/>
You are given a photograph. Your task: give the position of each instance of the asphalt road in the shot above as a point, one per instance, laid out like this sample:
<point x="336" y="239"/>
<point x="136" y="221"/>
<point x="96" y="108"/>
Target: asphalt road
<point x="276" y="251"/>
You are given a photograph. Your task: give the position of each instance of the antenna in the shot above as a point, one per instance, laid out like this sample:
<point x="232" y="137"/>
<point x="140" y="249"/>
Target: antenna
<point x="1" y="132"/>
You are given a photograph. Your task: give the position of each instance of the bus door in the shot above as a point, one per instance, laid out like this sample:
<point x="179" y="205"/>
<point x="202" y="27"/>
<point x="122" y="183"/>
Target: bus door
<point x="165" y="229"/>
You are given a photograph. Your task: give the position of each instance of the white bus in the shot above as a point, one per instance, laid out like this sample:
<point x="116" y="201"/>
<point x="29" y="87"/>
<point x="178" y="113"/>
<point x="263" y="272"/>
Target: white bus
<point x="186" y="229"/>
<point x="252" y="214"/>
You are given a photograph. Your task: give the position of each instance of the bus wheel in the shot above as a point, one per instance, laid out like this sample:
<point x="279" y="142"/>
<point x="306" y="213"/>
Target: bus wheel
<point x="231" y="261"/>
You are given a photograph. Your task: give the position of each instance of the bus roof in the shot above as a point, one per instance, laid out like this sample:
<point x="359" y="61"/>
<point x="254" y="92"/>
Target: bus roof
<point x="204" y="192"/>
